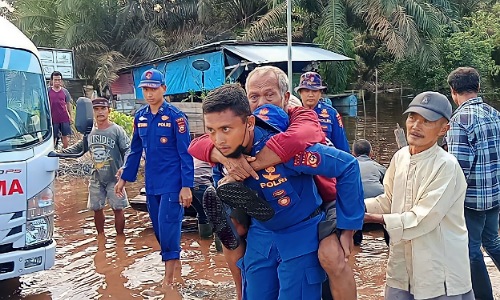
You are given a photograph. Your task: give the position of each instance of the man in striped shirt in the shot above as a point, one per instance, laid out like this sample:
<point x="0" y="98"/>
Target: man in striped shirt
<point x="474" y="139"/>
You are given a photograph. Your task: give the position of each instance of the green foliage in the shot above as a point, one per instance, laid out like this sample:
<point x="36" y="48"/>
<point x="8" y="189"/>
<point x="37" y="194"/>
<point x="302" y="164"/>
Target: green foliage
<point x="477" y="45"/>
<point x="416" y="42"/>
<point x="333" y="34"/>
<point x="123" y="120"/>
<point x="194" y="96"/>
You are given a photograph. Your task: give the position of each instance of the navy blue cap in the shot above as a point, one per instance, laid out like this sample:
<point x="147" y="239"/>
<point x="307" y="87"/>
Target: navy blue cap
<point x="310" y="81"/>
<point x="152" y="78"/>
<point x="273" y="116"/>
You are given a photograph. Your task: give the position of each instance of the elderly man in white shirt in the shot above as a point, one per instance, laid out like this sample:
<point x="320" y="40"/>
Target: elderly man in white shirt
<point x="422" y="208"/>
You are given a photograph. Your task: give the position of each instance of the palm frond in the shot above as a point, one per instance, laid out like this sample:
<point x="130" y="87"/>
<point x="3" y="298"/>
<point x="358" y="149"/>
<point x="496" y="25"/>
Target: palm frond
<point x="407" y="29"/>
<point x="260" y="29"/>
<point x="91" y="47"/>
<point x="108" y="64"/>
<point x="333" y="35"/>
<point x="141" y="48"/>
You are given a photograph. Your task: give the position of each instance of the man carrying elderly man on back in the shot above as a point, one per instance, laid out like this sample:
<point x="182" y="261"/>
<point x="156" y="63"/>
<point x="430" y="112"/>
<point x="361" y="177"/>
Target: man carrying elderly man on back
<point x="269" y="85"/>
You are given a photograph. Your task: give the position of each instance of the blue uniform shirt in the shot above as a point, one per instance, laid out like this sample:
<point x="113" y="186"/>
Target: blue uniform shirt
<point x="164" y="138"/>
<point x="285" y="184"/>
<point x="331" y="123"/>
<point x="290" y="190"/>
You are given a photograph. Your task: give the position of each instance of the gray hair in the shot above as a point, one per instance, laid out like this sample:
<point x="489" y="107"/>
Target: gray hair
<point x="280" y="75"/>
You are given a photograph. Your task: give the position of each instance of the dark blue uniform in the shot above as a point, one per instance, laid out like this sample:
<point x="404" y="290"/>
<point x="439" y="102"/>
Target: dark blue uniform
<point x="331" y="123"/>
<point x="164" y="138"/>
<point x="281" y="259"/>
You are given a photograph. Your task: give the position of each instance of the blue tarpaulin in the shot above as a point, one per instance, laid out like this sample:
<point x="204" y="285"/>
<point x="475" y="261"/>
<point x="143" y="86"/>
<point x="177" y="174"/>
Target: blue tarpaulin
<point x="232" y="57"/>
<point x="181" y="77"/>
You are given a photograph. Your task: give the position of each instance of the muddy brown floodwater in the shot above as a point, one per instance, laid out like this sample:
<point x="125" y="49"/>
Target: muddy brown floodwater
<point x="130" y="267"/>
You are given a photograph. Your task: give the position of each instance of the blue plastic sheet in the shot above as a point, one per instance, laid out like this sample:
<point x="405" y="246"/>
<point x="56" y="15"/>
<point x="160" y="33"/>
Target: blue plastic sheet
<point x="181" y="77"/>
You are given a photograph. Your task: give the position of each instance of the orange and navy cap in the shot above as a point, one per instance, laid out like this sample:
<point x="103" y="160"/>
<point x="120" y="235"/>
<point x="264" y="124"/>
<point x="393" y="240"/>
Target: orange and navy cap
<point x="152" y="78"/>
<point x="270" y="115"/>
<point x="310" y="81"/>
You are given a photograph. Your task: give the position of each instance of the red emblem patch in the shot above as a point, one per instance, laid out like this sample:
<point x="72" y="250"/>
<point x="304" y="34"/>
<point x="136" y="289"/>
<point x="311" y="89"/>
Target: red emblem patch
<point x="324" y="113"/>
<point x="309" y="159"/>
<point x="262" y="114"/>
<point x="181" y="124"/>
<point x="285" y="201"/>
<point x="339" y="119"/>
<point x="278" y="193"/>
<point x="163" y="140"/>
<point x="148" y="75"/>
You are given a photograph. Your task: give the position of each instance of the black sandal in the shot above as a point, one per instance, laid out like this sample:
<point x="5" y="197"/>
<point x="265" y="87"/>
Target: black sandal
<point x="220" y="221"/>
<point x="236" y="195"/>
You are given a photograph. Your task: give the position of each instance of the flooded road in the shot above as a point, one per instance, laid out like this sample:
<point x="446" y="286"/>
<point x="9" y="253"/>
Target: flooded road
<point x="114" y="267"/>
<point x="130" y="267"/>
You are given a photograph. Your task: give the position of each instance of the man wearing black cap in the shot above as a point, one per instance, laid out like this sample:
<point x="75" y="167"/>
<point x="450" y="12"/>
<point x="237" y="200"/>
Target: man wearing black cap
<point x="108" y="146"/>
<point x="422" y="209"/>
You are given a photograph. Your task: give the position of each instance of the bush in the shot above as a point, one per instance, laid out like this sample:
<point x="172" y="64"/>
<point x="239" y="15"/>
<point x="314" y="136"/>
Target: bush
<point x="124" y="120"/>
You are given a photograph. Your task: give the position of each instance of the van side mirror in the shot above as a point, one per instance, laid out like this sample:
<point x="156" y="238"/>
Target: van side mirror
<point x="84" y="119"/>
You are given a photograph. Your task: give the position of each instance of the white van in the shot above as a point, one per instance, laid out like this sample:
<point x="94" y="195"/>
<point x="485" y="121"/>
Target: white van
<point x="27" y="161"/>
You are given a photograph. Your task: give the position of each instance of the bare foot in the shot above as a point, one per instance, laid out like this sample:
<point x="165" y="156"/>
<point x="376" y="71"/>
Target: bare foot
<point x="171" y="292"/>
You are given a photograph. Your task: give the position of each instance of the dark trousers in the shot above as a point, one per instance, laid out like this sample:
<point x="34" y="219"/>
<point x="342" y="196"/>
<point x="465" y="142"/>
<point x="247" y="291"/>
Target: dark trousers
<point x="166" y="214"/>
<point x="483" y="230"/>
<point x="197" y="203"/>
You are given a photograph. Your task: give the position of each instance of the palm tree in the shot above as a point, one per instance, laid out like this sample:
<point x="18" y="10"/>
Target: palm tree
<point x="106" y="35"/>
<point x="405" y="28"/>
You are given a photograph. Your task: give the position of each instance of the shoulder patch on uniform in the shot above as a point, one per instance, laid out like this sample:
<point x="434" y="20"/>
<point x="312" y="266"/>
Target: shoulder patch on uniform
<point x="181" y="125"/>
<point x="308" y="159"/>
<point x="339" y="119"/>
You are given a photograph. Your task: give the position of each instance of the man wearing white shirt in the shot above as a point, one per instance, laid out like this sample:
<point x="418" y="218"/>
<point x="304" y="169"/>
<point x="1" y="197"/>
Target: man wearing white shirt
<point x="422" y="209"/>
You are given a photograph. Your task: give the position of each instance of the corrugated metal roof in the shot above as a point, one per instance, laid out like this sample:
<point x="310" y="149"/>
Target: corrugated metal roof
<point x="263" y="54"/>
<point x="258" y="52"/>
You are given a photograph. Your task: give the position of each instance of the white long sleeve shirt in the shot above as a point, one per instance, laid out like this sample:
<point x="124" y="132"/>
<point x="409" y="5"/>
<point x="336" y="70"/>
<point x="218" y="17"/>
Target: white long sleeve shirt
<point x="423" y="207"/>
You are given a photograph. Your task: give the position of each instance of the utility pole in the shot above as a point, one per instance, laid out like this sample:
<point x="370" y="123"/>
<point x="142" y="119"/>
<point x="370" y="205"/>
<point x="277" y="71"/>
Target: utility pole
<point x="289" y="42"/>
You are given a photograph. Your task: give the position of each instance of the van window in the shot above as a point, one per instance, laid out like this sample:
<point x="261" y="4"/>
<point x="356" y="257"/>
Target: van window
<point x="24" y="107"/>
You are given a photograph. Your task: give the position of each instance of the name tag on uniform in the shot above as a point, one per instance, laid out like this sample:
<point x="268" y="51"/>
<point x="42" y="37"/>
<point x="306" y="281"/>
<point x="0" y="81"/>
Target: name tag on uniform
<point x="140" y="125"/>
<point x="164" y="124"/>
<point x="325" y="120"/>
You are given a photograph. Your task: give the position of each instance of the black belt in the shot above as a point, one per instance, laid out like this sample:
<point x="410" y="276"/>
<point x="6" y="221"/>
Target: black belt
<point x="316" y="212"/>
<point x="201" y="186"/>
